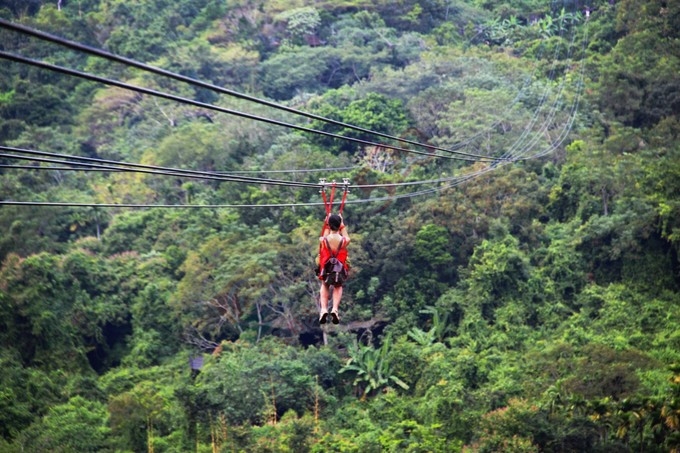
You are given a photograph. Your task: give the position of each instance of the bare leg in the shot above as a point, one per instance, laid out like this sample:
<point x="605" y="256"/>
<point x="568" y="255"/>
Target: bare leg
<point x="337" y="295"/>
<point x="323" y="301"/>
<point x="323" y="297"/>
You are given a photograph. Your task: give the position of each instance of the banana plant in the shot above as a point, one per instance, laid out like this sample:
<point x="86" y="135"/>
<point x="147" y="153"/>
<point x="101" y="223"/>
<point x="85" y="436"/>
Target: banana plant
<point x="546" y="27"/>
<point x="372" y="368"/>
<point x="440" y="329"/>
<point x="421" y="337"/>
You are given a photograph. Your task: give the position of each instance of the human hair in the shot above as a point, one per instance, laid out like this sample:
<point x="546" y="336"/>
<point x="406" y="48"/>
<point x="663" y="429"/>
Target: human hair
<point x="334" y="222"/>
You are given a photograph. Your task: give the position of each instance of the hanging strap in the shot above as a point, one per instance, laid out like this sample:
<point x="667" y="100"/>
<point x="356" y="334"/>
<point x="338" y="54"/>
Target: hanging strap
<point x="342" y="202"/>
<point x="327" y="202"/>
<point x="328" y="205"/>
<point x="345" y="191"/>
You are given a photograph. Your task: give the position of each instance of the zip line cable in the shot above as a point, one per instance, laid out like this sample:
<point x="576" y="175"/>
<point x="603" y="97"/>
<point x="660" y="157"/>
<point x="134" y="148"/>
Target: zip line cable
<point x="205" y="175"/>
<point x="130" y="62"/>
<point x="572" y="111"/>
<point x="299" y="170"/>
<point x="466" y="142"/>
<point x="78" y="46"/>
<point x="139" y="65"/>
<point x="459" y="180"/>
<point x="219" y="206"/>
<point x="89" y="162"/>
<point x="454" y="181"/>
<point x="217" y="173"/>
<point x="521" y="147"/>
<point x="98" y="167"/>
<point x="518" y="148"/>
<point x="521" y="153"/>
<point x="94" y="164"/>
<point x="151" y="169"/>
<point x="51" y="168"/>
<point x="149" y="91"/>
<point x="180" y="173"/>
<point x="567" y="126"/>
<point x="511" y="157"/>
<point x="515" y="153"/>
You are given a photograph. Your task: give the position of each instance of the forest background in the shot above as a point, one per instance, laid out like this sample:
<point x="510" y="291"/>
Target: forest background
<point x="521" y="305"/>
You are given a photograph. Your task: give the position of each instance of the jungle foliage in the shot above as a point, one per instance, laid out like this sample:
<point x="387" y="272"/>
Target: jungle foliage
<point x="533" y="308"/>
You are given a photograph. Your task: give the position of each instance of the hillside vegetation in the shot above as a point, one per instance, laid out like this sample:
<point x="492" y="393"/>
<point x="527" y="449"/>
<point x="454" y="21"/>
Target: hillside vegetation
<point x="522" y="297"/>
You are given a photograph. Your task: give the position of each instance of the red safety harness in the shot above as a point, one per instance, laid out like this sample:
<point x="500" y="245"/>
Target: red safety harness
<point x="328" y="206"/>
<point x="328" y="201"/>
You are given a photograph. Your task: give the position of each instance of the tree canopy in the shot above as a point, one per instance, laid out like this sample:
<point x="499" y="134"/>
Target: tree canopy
<point x="515" y="283"/>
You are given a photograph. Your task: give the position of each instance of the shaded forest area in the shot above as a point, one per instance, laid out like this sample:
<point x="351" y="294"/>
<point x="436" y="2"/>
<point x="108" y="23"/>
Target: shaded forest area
<point x="528" y="300"/>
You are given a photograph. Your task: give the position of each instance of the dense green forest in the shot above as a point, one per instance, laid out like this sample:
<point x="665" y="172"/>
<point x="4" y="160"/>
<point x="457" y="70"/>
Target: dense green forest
<point x="515" y="284"/>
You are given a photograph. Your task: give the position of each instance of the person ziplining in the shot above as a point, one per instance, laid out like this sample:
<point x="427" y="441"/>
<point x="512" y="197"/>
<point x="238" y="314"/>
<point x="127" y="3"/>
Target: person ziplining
<point x="332" y="261"/>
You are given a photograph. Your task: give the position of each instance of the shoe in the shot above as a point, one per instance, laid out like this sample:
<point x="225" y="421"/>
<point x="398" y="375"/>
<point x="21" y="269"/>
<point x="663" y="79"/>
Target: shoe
<point x="323" y="318"/>
<point x="334" y="317"/>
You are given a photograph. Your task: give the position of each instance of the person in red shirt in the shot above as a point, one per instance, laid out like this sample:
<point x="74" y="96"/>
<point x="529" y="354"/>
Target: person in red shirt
<point x="334" y="240"/>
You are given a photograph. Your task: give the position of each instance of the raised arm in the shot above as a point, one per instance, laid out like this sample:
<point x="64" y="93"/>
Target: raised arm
<point x="343" y="232"/>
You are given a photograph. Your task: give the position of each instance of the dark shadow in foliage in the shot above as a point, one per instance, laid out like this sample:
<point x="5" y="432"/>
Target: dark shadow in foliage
<point x="605" y="372"/>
